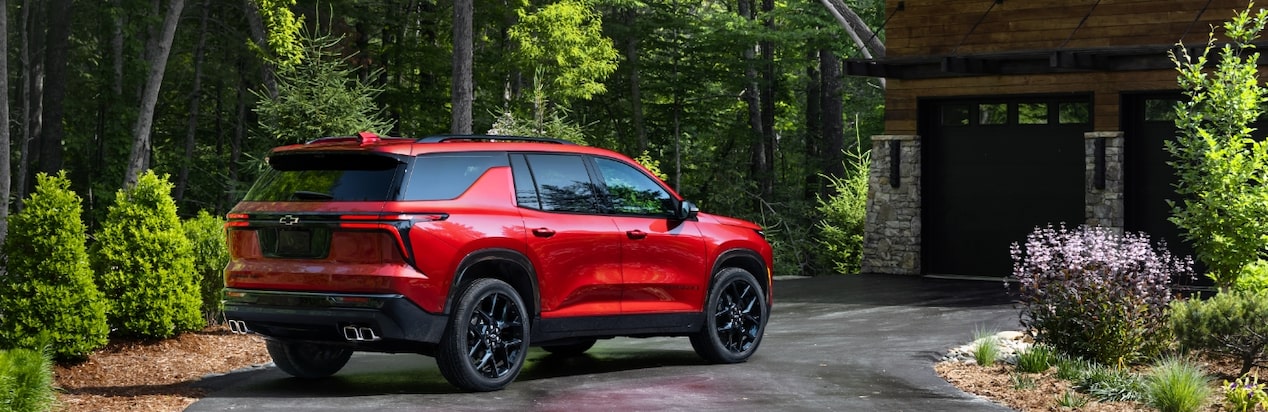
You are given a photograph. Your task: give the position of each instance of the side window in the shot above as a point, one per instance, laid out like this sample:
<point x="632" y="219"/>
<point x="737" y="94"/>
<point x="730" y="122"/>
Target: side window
<point x="632" y="192"/>
<point x="525" y="189"/>
<point x="445" y="176"/>
<point x="563" y="185"/>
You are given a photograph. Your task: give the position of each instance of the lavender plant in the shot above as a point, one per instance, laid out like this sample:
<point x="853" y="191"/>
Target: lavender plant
<point x="1094" y="293"/>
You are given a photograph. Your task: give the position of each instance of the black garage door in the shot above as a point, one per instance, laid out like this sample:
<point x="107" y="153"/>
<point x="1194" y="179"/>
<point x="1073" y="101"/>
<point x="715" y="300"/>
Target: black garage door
<point x="993" y="170"/>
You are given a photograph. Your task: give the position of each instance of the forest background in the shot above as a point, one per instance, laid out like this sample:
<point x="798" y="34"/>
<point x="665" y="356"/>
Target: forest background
<point x="741" y="105"/>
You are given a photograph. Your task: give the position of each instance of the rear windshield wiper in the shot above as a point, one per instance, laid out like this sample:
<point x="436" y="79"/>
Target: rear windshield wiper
<point x="306" y="195"/>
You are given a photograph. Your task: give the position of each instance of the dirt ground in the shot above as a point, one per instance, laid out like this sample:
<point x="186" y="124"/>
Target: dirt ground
<point x="154" y="375"/>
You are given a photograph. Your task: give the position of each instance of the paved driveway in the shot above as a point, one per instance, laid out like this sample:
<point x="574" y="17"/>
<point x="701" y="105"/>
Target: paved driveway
<point x="849" y="343"/>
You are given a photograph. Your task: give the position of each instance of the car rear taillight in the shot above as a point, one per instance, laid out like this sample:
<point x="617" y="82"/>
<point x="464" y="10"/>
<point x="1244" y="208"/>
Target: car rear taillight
<point x="236" y="220"/>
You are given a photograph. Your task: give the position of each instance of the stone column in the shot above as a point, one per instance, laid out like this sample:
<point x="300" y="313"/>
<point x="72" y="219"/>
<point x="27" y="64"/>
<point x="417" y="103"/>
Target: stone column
<point x="891" y="234"/>
<point x="1104" y="179"/>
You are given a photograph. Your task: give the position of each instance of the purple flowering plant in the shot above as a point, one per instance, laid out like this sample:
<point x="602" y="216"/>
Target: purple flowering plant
<point x="1096" y="293"/>
<point x="1245" y="394"/>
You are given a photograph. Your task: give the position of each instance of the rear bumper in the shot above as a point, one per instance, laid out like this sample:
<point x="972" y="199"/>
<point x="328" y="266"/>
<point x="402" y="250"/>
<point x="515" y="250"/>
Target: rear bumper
<point x="398" y="324"/>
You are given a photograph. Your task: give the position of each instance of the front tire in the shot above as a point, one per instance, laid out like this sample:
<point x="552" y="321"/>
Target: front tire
<point x="735" y="318"/>
<point x="487" y="338"/>
<point x="307" y="360"/>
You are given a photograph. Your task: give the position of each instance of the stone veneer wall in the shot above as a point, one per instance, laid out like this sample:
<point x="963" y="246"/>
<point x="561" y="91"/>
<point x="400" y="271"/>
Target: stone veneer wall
<point x="1104" y="206"/>
<point x="891" y="234"/>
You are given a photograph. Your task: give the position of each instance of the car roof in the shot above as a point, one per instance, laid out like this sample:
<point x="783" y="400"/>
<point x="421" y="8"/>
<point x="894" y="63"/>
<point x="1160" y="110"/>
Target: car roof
<point x="369" y="142"/>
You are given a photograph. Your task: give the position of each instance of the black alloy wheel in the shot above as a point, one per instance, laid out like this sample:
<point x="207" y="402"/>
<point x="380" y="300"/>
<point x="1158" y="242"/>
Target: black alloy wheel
<point x="735" y="318"/>
<point x="487" y="340"/>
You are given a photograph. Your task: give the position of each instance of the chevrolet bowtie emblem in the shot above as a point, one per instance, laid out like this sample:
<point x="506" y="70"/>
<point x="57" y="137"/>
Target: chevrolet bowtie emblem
<point x="288" y="220"/>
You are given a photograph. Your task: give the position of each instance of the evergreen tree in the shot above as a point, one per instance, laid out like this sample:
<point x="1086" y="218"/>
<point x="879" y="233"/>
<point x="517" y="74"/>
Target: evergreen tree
<point x="145" y="263"/>
<point x="48" y="296"/>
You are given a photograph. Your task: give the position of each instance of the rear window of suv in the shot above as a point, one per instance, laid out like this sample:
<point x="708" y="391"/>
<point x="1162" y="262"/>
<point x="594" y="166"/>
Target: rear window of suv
<point x="329" y="177"/>
<point x="445" y="176"/>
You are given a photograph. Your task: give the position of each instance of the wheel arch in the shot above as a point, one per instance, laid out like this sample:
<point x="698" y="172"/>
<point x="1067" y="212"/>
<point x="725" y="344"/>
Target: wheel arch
<point x="748" y="260"/>
<point x="506" y="265"/>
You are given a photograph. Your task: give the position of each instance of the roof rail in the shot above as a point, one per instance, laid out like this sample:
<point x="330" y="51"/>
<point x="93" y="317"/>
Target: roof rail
<point x="491" y="138"/>
<point x="363" y="138"/>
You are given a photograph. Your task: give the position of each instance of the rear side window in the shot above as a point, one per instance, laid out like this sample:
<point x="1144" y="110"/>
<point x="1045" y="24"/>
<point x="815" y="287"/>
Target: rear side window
<point x="563" y="183"/>
<point x="328" y="177"/>
<point x="445" y="176"/>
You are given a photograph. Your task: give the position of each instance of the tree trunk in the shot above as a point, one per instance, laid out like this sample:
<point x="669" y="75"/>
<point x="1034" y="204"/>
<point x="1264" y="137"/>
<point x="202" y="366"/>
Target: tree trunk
<point x="833" y="128"/>
<point x="6" y="176"/>
<point x="636" y="100"/>
<point x="753" y="99"/>
<point x="255" y="25"/>
<point x="32" y="91"/>
<point x="813" y="127"/>
<point x="140" y="154"/>
<point x="462" y="89"/>
<point x="235" y="147"/>
<point x="56" y="57"/>
<point x="195" y="97"/>
<point x="767" y="178"/>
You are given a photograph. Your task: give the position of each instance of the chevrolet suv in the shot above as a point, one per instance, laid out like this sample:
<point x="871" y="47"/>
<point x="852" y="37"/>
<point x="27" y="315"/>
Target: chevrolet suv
<point x="472" y="248"/>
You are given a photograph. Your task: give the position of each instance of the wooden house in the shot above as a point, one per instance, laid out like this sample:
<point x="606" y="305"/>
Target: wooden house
<point x="1004" y="115"/>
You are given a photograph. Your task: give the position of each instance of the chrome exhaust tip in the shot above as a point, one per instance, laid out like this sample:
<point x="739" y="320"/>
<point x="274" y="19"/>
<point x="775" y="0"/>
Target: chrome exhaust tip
<point x="238" y="327"/>
<point x="360" y="334"/>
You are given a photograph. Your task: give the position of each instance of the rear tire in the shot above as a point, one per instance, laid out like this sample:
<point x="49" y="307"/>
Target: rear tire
<point x="571" y="349"/>
<point x="486" y="341"/>
<point x="307" y="360"/>
<point x="735" y="318"/>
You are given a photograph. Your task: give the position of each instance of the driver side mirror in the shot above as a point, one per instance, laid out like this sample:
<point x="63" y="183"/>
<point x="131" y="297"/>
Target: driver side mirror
<point x="686" y="211"/>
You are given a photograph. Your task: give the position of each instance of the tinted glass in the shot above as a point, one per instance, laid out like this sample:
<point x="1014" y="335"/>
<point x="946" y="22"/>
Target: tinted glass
<point x="995" y="113"/>
<point x="1032" y="113"/>
<point x="562" y="183"/>
<point x="1074" y="113"/>
<point x="447" y="175"/>
<point x="632" y="192"/>
<point x="328" y="177"/>
<point x="525" y="190"/>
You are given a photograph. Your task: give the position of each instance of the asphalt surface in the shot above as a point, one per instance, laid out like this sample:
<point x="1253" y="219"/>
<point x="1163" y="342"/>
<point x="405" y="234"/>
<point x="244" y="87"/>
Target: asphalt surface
<point x="847" y="343"/>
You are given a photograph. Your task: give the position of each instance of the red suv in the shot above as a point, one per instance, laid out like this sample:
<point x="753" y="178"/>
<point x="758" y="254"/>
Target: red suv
<point x="471" y="248"/>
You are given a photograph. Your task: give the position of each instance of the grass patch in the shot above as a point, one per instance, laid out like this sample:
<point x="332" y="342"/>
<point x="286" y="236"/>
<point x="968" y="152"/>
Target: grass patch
<point x="1022" y="381"/>
<point x="986" y="349"/>
<point x="1036" y="359"/>
<point x="1177" y="385"/>
<point x="26" y="380"/>
<point x="1072" y="400"/>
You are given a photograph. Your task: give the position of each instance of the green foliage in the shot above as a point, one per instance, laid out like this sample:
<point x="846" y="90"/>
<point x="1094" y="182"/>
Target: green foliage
<point x="145" y="263"/>
<point x="1177" y="385"/>
<point x="652" y="165"/>
<point x="48" y="296"/>
<point x="1070" y="368"/>
<point x="1245" y="394"/>
<point x="555" y="125"/>
<point x="320" y="96"/>
<point x="283" y="30"/>
<point x="844" y="214"/>
<point x="1022" y="381"/>
<point x="1072" y="400"/>
<point x="1036" y="359"/>
<point x="1232" y="324"/>
<point x="1220" y="168"/>
<point x="26" y="381"/>
<point x="986" y="347"/>
<point x="1094" y="293"/>
<point x="1109" y="383"/>
<point x="1253" y="278"/>
<point x="564" y="42"/>
<point x="206" y="236"/>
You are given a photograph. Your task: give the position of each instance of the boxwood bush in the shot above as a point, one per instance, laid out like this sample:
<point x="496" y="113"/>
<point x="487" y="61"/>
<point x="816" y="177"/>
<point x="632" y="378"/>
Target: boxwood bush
<point x="48" y="296"/>
<point x="1097" y="294"/>
<point x="146" y="264"/>
<point x="206" y="235"/>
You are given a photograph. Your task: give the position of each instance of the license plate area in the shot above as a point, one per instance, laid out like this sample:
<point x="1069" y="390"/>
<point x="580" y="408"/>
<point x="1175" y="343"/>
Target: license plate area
<point x="303" y="243"/>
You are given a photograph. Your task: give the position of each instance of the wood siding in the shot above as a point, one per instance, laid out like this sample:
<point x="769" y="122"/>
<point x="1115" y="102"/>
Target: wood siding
<point x="946" y="28"/>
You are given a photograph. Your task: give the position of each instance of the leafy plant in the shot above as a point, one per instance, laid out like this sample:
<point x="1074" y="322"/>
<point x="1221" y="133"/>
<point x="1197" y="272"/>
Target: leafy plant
<point x="1070" y="368"/>
<point x="1254" y="277"/>
<point x="1022" y="381"/>
<point x="1071" y="399"/>
<point x="1176" y="385"/>
<point x="48" y="296"/>
<point x="26" y="380"/>
<point x="1220" y="168"/>
<point x="1110" y="383"/>
<point x="1093" y="293"/>
<point x="844" y="214"/>
<point x="1232" y="324"/>
<point x="146" y="264"/>
<point x="1245" y="393"/>
<point x="206" y="236"/>
<point x="986" y="348"/>
<point x="1037" y="358"/>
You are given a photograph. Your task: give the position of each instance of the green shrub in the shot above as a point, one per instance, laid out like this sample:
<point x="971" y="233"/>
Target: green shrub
<point x="1254" y="277"/>
<point x="48" y="296"/>
<point x="1036" y="359"/>
<point x="1245" y="394"/>
<point x="1176" y="385"/>
<point x="1094" y="293"/>
<point x="1071" y="368"/>
<point x="844" y="213"/>
<point x="206" y="234"/>
<point x="26" y="380"/>
<point x="986" y="348"/>
<point x="1110" y="383"/>
<point x="1233" y="324"/>
<point x="146" y="265"/>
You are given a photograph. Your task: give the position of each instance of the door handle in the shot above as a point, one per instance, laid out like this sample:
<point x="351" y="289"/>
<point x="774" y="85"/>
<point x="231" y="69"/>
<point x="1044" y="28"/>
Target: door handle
<point x="636" y="234"/>
<point x="543" y="232"/>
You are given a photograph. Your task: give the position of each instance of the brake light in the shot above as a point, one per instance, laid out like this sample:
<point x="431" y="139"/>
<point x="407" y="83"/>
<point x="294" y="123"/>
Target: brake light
<point x="237" y="220"/>
<point x="366" y="138"/>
